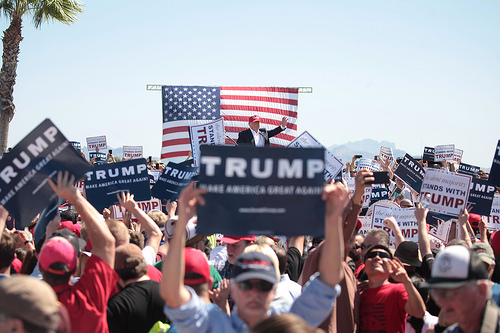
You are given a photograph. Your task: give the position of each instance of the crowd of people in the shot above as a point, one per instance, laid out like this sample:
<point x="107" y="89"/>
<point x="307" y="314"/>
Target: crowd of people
<point x="152" y="272"/>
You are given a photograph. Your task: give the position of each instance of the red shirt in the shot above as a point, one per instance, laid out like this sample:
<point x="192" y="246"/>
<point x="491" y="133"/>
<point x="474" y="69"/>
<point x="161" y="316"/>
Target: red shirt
<point x="87" y="299"/>
<point x="382" y="309"/>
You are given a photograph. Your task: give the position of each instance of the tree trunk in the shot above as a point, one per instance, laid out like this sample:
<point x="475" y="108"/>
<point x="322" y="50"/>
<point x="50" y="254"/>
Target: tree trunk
<point x="11" y="41"/>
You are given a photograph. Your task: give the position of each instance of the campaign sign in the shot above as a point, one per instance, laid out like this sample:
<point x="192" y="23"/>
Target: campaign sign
<point x="495" y="167"/>
<point x="333" y="165"/>
<point x="405" y="218"/>
<point x="448" y="191"/>
<point x="368" y="164"/>
<point x="24" y="191"/>
<point x="467" y="169"/>
<point x="145" y="206"/>
<point x="457" y="156"/>
<point x="77" y="145"/>
<point x="386" y="154"/>
<point x="428" y="154"/>
<point x="481" y="196"/>
<point x="211" y="133"/>
<point x="100" y="158"/>
<point x="444" y="153"/>
<point x="493" y="220"/>
<point x="366" y="224"/>
<point x="97" y="143"/>
<point x="261" y="190"/>
<point x="411" y="172"/>
<point x="131" y="152"/>
<point x="46" y="216"/>
<point x="173" y="179"/>
<point x="154" y="175"/>
<point x="442" y="231"/>
<point x="380" y="193"/>
<point x="105" y="181"/>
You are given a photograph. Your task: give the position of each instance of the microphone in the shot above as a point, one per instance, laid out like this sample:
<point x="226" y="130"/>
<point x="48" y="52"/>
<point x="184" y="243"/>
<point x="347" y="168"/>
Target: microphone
<point x="227" y="136"/>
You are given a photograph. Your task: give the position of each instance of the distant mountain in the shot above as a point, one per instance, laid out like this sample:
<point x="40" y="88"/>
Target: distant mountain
<point x="367" y="147"/>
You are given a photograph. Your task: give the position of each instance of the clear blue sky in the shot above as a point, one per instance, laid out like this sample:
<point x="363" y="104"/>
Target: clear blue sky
<point x="420" y="73"/>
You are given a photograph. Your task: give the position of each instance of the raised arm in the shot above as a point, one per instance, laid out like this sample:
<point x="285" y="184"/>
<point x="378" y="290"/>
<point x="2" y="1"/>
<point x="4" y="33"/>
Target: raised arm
<point x="3" y="219"/>
<point x="103" y="242"/>
<point x="152" y="230"/>
<point x="415" y="305"/>
<point x="172" y="283"/>
<point x="423" y="236"/>
<point x="463" y="220"/>
<point x="353" y="209"/>
<point x="330" y="264"/>
<point x="391" y="223"/>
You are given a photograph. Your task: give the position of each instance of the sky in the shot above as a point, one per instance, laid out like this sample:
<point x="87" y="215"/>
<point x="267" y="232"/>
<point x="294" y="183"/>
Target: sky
<point x="416" y="73"/>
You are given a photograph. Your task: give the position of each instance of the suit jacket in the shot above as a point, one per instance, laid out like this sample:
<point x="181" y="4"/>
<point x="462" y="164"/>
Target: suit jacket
<point x="246" y="137"/>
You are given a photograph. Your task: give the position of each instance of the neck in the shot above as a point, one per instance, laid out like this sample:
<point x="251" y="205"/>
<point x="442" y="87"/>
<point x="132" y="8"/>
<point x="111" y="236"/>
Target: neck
<point x="251" y="321"/>
<point x="377" y="281"/>
<point x="5" y="270"/>
<point x="123" y="284"/>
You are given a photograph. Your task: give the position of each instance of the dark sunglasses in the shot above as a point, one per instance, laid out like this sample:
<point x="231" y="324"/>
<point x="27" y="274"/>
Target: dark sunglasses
<point x="381" y="255"/>
<point x="260" y="285"/>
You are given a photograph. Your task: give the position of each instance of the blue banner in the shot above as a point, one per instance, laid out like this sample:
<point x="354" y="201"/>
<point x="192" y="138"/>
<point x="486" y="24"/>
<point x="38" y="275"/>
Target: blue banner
<point x="467" y="169"/>
<point x="481" y="196"/>
<point x="105" y="181"/>
<point x="411" y="172"/>
<point x="24" y="191"/>
<point x="494" y="177"/>
<point x="261" y="190"/>
<point x="173" y="179"/>
<point x="428" y="154"/>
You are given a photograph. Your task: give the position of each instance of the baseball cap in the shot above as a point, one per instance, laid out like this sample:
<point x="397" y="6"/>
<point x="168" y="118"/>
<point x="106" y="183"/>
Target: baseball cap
<point x="485" y="252"/>
<point x="495" y="242"/>
<point x="253" y="119"/>
<point x="195" y="263"/>
<point x="254" y="265"/>
<point x="474" y="220"/>
<point x="30" y="299"/>
<point x="190" y="227"/>
<point x="236" y="239"/>
<point x="407" y="252"/>
<point x="58" y="256"/>
<point x="455" y="266"/>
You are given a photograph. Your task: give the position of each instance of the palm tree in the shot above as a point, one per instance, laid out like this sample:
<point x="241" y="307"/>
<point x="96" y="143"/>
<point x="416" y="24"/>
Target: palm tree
<point x="64" y="11"/>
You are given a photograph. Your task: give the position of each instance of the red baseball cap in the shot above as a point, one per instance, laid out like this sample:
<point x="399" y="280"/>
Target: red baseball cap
<point x="195" y="262"/>
<point x="58" y="250"/>
<point x="495" y="242"/>
<point x="474" y="219"/>
<point x="253" y="119"/>
<point x="236" y="239"/>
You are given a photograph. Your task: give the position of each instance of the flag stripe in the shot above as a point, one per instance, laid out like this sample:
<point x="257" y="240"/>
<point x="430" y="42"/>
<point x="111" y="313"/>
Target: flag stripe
<point x="261" y="99"/>
<point x="271" y="89"/>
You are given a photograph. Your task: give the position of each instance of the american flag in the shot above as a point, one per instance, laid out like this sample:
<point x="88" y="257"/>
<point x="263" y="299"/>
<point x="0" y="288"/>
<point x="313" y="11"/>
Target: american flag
<point x="185" y="106"/>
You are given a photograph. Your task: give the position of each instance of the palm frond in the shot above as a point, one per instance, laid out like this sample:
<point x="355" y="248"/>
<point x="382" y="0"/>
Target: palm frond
<point x="64" y="11"/>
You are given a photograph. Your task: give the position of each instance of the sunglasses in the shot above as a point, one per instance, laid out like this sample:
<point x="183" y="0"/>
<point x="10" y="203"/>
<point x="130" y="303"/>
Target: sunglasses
<point x="260" y="285"/>
<point x="382" y="255"/>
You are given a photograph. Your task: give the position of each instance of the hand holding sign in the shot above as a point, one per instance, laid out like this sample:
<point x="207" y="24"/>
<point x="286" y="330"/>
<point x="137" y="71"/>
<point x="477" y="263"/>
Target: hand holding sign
<point x="336" y="197"/>
<point x="188" y="200"/>
<point x="64" y="187"/>
<point x="127" y="201"/>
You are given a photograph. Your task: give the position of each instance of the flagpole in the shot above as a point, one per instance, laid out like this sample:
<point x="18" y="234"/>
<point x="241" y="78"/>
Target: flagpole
<point x="157" y="87"/>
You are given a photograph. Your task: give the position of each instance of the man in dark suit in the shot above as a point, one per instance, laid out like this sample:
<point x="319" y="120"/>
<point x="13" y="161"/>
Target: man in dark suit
<point x="257" y="136"/>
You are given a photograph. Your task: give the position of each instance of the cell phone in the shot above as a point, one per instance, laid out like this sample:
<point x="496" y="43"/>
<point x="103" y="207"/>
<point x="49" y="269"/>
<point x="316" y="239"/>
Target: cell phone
<point x="358" y="156"/>
<point x="111" y="151"/>
<point x="381" y="177"/>
<point x="375" y="157"/>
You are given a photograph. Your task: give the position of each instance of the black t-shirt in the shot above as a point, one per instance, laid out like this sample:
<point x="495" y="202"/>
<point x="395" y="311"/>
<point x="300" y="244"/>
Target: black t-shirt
<point x="136" y="308"/>
<point x="295" y="263"/>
